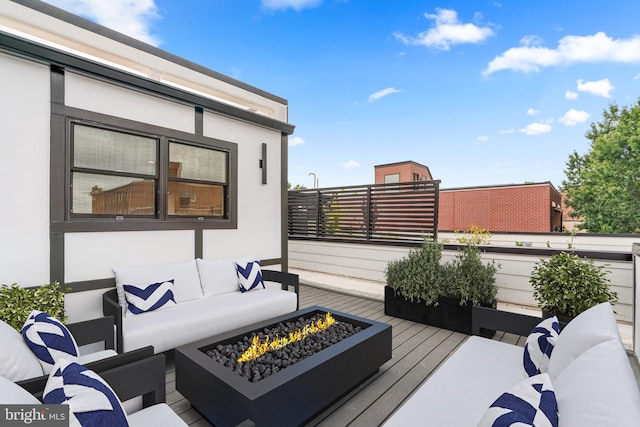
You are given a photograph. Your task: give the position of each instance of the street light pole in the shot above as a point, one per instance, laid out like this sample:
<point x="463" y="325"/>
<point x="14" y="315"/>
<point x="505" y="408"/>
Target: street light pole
<point x="315" y="179"/>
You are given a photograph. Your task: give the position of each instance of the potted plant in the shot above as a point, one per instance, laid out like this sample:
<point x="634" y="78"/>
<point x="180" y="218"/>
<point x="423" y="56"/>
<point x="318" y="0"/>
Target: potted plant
<point x="566" y="285"/>
<point x="422" y="289"/>
<point x="16" y="303"/>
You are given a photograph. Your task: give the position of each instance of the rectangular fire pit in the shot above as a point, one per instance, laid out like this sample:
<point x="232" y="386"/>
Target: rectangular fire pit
<point x="290" y="396"/>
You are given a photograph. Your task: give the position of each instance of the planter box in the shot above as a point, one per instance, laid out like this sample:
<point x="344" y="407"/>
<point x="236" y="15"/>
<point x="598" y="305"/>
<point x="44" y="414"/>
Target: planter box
<point x="448" y="314"/>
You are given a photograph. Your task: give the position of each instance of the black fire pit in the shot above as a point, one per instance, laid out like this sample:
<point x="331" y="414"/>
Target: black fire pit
<point x="290" y="396"/>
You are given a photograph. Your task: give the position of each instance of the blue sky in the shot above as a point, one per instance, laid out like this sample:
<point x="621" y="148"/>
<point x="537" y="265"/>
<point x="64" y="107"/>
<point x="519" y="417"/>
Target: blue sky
<point x="482" y="92"/>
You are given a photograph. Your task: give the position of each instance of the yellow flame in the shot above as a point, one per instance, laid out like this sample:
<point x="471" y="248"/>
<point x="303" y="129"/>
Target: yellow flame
<point x="257" y="349"/>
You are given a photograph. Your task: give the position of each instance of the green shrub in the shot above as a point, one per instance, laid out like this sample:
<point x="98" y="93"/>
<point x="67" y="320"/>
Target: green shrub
<point x="421" y="277"/>
<point x="16" y="303"/>
<point x="568" y="285"/>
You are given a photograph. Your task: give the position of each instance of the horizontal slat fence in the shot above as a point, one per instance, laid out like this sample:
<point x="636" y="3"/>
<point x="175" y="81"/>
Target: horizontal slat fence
<point x="400" y="212"/>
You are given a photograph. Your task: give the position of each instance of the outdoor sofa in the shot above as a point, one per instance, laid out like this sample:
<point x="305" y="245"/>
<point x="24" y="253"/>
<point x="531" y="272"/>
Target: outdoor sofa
<point x="588" y="371"/>
<point x="209" y="297"/>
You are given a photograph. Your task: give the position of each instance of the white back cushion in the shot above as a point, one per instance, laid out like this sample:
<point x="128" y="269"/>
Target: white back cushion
<point x="17" y="361"/>
<point x="186" y="282"/>
<point x="589" y="328"/>
<point x="219" y="276"/>
<point x="598" y="389"/>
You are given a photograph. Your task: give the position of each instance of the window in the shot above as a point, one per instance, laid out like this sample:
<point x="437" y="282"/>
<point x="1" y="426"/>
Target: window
<point x="120" y="174"/>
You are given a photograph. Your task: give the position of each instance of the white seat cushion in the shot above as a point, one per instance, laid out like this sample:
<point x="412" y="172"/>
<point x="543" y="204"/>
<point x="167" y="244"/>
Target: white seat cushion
<point x="219" y="276"/>
<point x="12" y="394"/>
<point x="198" y="319"/>
<point x="464" y="386"/>
<point x="156" y="415"/>
<point x="98" y="355"/>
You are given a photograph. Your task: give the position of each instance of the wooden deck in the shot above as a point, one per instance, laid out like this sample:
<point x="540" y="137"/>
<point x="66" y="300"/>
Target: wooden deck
<point x="417" y="351"/>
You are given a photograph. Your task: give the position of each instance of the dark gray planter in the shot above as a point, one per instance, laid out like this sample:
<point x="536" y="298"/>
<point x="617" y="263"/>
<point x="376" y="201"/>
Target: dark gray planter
<point x="448" y="314"/>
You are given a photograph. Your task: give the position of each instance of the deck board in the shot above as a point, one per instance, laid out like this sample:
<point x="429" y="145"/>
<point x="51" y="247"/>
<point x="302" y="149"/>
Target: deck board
<point x="418" y="350"/>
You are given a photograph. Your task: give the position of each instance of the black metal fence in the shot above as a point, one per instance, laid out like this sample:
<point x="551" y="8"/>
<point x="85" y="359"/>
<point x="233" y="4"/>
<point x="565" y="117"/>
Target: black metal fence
<point x="405" y="211"/>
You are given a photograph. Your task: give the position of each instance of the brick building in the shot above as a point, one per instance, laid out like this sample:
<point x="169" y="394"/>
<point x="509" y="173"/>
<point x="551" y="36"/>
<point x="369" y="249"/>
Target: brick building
<point x="535" y="207"/>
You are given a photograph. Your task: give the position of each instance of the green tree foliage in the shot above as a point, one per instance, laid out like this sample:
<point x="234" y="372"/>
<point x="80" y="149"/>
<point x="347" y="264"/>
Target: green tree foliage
<point x="603" y="185"/>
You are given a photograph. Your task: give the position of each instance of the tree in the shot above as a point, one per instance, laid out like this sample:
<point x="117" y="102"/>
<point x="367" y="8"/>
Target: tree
<point x="297" y="187"/>
<point x="603" y="185"/>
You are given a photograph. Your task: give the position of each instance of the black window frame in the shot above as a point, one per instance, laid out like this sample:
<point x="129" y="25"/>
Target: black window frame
<point x="63" y="220"/>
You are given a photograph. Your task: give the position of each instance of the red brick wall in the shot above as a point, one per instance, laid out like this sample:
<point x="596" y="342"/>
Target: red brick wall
<point x="524" y="208"/>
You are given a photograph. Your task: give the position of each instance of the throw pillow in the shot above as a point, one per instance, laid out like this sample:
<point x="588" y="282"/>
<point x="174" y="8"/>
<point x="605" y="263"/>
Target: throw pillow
<point x="91" y="401"/>
<point x="249" y="275"/>
<point x="48" y="339"/>
<point x="155" y="296"/>
<point x="531" y="402"/>
<point x="539" y="345"/>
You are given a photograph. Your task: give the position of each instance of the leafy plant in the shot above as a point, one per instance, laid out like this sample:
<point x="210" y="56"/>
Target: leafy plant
<point x="474" y="235"/>
<point x="568" y="285"/>
<point x="16" y="303"/>
<point x="421" y="277"/>
<point x="418" y="276"/>
<point x="466" y="277"/>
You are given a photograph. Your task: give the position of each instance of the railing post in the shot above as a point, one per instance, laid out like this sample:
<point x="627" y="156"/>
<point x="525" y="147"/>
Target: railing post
<point x="369" y="214"/>
<point x="635" y="254"/>
<point x="318" y="215"/>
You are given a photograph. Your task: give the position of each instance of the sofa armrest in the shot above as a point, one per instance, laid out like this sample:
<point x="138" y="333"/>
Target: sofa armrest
<point x="286" y="280"/>
<point x="111" y="307"/>
<point x="144" y="378"/>
<point x="92" y="331"/>
<point x="505" y="321"/>
<point x="36" y="385"/>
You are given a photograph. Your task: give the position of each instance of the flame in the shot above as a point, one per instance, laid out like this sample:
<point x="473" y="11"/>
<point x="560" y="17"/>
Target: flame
<point x="257" y="349"/>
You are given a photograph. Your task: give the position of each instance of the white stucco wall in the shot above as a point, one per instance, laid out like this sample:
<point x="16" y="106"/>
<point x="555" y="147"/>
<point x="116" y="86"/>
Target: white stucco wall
<point x="24" y="210"/>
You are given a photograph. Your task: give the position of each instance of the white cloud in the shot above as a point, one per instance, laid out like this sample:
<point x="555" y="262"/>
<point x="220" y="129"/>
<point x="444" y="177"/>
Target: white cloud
<point x="573" y="117"/>
<point x="600" y="88"/>
<point x="382" y="93"/>
<point x="350" y="164"/>
<point x="531" y="41"/>
<point x="532" y="112"/>
<point x="571" y="50"/>
<point x="571" y="95"/>
<point x="483" y="138"/>
<point x="506" y="131"/>
<point x="448" y="31"/>
<point x="129" y="17"/>
<point x="293" y="4"/>
<point x="636" y="77"/>
<point x="296" y="140"/>
<point x="536" y="128"/>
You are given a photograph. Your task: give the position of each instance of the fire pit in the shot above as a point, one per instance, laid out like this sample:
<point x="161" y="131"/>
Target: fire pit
<point x="291" y="395"/>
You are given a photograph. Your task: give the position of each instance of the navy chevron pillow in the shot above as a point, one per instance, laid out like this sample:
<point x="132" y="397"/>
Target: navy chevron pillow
<point x="249" y="275"/>
<point x="48" y="339"/>
<point x="152" y="297"/>
<point x="531" y="402"/>
<point x="540" y="343"/>
<point x="91" y="401"/>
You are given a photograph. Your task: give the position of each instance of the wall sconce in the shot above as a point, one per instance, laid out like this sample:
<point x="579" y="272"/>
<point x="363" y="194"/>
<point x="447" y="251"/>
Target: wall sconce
<point x="263" y="163"/>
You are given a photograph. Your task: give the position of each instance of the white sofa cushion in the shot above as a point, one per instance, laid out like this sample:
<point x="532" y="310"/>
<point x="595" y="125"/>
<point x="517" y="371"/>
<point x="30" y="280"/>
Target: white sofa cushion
<point x="219" y="276"/>
<point x="189" y="322"/>
<point x="156" y="415"/>
<point x="49" y="339"/>
<point x="98" y="355"/>
<point x="17" y="361"/>
<point x="531" y="402"/>
<point x="186" y="282"/>
<point x="539" y="345"/>
<point x="12" y="394"/>
<point x="589" y="328"/>
<point x="464" y="386"/>
<point x="598" y="389"/>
